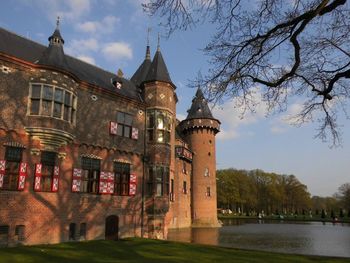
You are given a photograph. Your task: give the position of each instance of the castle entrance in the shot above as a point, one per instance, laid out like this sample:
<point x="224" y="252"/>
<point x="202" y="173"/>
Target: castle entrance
<point x="112" y="225"/>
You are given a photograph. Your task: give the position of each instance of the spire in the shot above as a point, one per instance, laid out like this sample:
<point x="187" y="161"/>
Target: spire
<point x="158" y="70"/>
<point x="148" y="50"/>
<point x="141" y="73"/>
<point x="158" y="45"/>
<point x="54" y="54"/>
<point x="56" y="38"/>
<point x="199" y="108"/>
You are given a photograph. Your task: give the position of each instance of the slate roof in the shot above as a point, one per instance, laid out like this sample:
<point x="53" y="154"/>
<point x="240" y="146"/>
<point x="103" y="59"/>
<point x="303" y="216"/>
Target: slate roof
<point x="141" y="72"/>
<point x="30" y="51"/>
<point x="158" y="70"/>
<point x="54" y="54"/>
<point x="199" y="108"/>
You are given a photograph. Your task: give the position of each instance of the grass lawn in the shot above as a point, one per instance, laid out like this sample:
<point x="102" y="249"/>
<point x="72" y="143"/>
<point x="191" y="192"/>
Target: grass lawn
<point x="144" y="250"/>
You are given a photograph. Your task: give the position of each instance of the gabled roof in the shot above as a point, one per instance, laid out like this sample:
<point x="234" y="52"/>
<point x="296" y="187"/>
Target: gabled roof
<point x="30" y="51"/>
<point x="141" y="73"/>
<point x="199" y="108"/>
<point x="158" y="70"/>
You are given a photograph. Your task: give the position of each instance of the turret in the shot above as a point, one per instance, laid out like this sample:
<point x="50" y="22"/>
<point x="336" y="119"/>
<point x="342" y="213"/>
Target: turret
<point x="158" y="93"/>
<point x="54" y="54"/>
<point x="199" y="129"/>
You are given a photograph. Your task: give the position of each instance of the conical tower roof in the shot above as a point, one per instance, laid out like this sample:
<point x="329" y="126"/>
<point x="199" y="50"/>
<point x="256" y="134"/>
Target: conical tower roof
<point x="199" y="108"/>
<point x="158" y="70"/>
<point x="54" y="54"/>
<point x="141" y="73"/>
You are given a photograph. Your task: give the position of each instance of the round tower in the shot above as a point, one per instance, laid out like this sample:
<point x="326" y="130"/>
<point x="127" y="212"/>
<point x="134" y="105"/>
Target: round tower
<point x="158" y="92"/>
<point x="199" y="129"/>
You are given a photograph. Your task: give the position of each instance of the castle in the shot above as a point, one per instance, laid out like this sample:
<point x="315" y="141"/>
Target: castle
<point x="87" y="154"/>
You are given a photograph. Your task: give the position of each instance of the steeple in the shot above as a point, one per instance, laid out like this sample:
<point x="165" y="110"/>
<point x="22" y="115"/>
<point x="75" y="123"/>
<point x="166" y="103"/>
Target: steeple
<point x="56" y="38"/>
<point x="141" y="73"/>
<point x="199" y="108"/>
<point x="158" y="70"/>
<point x="54" y="54"/>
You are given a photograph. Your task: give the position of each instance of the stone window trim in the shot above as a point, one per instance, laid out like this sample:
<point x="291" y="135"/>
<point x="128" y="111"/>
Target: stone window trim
<point x="47" y="100"/>
<point x="159" y="125"/>
<point x="206" y="172"/>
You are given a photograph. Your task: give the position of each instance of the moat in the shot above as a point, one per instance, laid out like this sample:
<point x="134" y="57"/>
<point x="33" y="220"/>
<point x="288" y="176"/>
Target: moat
<point x="312" y="238"/>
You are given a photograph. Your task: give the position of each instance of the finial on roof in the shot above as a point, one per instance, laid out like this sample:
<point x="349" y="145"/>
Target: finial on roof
<point x="148" y="33"/>
<point x="158" y="46"/>
<point x="148" y="51"/>
<point x="58" y="22"/>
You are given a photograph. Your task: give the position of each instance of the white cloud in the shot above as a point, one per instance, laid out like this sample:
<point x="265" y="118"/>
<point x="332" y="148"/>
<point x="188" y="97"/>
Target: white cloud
<point x="117" y="50"/>
<point x="233" y="117"/>
<point x="87" y="59"/>
<point x="68" y="10"/>
<point x="80" y="46"/>
<point x="105" y="26"/>
<point x="180" y="116"/>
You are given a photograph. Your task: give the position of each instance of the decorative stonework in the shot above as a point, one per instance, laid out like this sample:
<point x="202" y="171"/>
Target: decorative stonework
<point x="50" y="138"/>
<point x="91" y="156"/>
<point x="14" y="144"/>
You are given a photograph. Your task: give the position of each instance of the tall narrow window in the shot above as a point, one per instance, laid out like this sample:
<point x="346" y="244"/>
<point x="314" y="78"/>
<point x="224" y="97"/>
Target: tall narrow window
<point x="19" y="232"/>
<point x="172" y="190"/>
<point x="82" y="232"/>
<point x="90" y="175"/>
<point x="13" y="157"/>
<point x="121" y="178"/>
<point x="158" y="180"/>
<point x="72" y="231"/>
<point x="48" y="161"/>
<point x="124" y="124"/>
<point x="206" y="172"/>
<point x="184" y="188"/>
<point x="208" y="191"/>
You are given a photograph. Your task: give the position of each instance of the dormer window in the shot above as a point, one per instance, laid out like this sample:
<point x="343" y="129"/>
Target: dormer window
<point x="52" y="101"/>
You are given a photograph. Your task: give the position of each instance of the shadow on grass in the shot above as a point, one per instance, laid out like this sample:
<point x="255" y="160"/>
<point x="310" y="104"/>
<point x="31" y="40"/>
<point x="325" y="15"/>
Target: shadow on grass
<point x="144" y="250"/>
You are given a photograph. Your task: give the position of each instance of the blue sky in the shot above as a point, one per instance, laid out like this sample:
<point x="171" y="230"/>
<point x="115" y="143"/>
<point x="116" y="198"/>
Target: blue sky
<point x="112" y="34"/>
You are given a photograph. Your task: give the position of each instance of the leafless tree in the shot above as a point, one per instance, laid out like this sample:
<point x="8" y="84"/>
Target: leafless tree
<point x="292" y="50"/>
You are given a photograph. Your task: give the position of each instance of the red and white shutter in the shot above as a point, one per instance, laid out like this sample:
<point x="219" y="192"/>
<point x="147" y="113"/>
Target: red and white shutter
<point x="2" y="171"/>
<point x="103" y="183"/>
<point x="113" y="128"/>
<point x="135" y="133"/>
<point x="132" y="185"/>
<point x="56" y="174"/>
<point x="37" y="177"/>
<point x="76" y="180"/>
<point x="22" y="175"/>
<point x="110" y="183"/>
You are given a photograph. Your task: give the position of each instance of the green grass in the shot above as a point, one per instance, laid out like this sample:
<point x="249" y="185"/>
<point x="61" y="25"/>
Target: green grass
<point x="145" y="250"/>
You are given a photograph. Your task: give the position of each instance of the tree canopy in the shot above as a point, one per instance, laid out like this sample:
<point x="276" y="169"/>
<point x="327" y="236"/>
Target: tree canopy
<point x="289" y="50"/>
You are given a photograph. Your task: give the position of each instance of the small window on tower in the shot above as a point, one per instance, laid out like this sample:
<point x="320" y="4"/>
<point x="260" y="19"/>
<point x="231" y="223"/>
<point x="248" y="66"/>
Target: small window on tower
<point x="206" y="172"/>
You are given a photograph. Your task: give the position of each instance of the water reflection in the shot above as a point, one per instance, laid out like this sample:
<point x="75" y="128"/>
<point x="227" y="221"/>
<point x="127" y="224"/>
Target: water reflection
<point x="313" y="238"/>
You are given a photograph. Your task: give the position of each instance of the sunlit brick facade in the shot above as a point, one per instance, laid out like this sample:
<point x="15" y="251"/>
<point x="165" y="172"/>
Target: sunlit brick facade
<point x="87" y="154"/>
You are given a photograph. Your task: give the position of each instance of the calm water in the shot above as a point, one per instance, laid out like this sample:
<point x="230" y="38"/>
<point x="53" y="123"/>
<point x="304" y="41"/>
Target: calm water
<point x="314" y="238"/>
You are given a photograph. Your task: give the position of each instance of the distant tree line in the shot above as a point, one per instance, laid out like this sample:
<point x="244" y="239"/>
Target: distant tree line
<point x="255" y="192"/>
